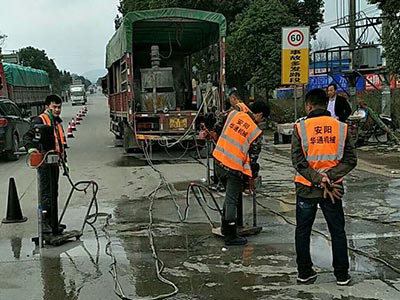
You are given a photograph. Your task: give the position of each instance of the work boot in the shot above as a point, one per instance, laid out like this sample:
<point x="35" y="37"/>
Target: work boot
<point x="231" y="237"/>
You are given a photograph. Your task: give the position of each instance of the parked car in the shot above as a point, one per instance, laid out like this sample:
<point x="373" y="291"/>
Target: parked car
<point x="13" y="124"/>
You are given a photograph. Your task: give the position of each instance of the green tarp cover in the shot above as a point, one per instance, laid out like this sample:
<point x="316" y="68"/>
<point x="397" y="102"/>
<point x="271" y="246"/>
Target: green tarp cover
<point x="186" y="30"/>
<point x="17" y="75"/>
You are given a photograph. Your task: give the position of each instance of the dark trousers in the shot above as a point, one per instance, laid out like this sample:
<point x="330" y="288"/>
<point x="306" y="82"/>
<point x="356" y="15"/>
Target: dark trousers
<point x="306" y="210"/>
<point x="233" y="184"/>
<point x="46" y="199"/>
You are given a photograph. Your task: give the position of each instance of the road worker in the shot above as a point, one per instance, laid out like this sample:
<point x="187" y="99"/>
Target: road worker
<point x="322" y="154"/>
<point x="236" y="154"/>
<point x="51" y="138"/>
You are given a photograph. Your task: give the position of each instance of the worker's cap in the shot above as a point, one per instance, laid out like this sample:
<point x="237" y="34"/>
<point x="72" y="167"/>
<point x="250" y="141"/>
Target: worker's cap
<point x="260" y="106"/>
<point x="231" y="91"/>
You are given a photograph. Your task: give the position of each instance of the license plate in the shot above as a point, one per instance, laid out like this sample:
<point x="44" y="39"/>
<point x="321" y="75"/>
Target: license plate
<point x="178" y="123"/>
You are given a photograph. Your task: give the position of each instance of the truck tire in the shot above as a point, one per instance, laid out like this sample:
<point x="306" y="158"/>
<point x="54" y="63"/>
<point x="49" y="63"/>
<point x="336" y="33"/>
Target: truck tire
<point x="14" y="148"/>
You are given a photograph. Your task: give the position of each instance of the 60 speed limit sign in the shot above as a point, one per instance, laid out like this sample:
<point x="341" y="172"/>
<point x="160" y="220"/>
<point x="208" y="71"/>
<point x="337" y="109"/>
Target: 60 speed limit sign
<point x="295" y="56"/>
<point x="295" y="37"/>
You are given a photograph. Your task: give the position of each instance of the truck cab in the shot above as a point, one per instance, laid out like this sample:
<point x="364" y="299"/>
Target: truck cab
<point x="78" y="94"/>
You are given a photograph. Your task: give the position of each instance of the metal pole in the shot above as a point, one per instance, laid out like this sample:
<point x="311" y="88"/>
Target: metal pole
<point x="352" y="47"/>
<point x="40" y="212"/>
<point x="386" y="97"/>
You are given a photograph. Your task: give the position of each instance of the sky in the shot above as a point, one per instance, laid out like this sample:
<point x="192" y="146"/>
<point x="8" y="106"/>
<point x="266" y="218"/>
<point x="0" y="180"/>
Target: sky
<point x="75" y="32"/>
<point x="72" y="32"/>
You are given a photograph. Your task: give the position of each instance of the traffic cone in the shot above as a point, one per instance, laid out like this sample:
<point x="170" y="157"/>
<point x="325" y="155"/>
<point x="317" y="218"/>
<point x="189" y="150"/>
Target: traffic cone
<point x="70" y="134"/>
<point x="73" y="124"/>
<point x="14" y="213"/>
<point x="78" y="120"/>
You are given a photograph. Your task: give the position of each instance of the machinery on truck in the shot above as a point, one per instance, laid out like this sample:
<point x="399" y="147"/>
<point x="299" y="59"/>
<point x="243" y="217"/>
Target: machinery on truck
<point x="149" y="81"/>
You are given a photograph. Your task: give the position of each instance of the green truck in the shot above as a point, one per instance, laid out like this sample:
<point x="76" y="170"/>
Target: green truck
<point x="149" y="83"/>
<point x="27" y="87"/>
<point x="22" y="94"/>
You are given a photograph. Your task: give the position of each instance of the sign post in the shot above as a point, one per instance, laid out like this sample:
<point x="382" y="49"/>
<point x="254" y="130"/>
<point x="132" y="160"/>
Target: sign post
<point x="295" y="58"/>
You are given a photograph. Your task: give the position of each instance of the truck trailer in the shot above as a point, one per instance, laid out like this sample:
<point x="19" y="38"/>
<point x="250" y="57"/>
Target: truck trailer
<point x="27" y="87"/>
<point x="149" y="79"/>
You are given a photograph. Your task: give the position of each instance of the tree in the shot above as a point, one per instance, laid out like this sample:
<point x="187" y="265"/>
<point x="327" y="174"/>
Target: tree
<point x="254" y="45"/>
<point x="38" y="59"/>
<point x="390" y="32"/>
<point x="307" y="13"/>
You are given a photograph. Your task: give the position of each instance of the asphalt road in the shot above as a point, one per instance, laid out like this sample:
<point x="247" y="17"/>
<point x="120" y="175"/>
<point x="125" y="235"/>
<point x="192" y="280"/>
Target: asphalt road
<point x="145" y="223"/>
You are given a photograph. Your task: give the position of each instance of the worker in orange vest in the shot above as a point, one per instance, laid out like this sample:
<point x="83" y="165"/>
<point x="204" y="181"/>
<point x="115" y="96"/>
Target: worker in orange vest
<point x="322" y="154"/>
<point x="51" y="138"/>
<point x="236" y="154"/>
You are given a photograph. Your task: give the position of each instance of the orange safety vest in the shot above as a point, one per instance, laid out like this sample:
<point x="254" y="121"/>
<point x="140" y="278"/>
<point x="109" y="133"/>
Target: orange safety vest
<point x="242" y="107"/>
<point x="46" y="120"/>
<point x="323" y="140"/>
<point x="233" y="145"/>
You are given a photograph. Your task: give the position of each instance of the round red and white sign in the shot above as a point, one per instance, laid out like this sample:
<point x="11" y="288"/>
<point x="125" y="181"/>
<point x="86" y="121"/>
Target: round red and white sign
<point x="295" y="38"/>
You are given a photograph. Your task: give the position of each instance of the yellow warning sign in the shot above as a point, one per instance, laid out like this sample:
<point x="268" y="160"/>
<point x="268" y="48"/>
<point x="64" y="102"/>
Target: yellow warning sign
<point x="295" y="55"/>
<point x="295" y="66"/>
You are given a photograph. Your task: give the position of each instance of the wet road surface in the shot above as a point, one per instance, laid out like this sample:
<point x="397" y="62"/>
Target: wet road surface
<point x="145" y="225"/>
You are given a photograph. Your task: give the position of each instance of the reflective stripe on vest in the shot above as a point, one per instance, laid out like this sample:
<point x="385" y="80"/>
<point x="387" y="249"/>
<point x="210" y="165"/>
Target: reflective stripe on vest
<point x="233" y="145"/>
<point x="46" y="120"/>
<point x="322" y="139"/>
<point x="242" y="107"/>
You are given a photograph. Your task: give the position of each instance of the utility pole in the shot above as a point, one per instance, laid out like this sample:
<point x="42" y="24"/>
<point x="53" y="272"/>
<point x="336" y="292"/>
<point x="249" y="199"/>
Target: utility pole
<point x="352" y="47"/>
<point x="386" y="97"/>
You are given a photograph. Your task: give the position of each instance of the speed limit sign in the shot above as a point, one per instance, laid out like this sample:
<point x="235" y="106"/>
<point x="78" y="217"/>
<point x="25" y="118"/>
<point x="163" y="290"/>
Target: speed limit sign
<point x="295" y="38"/>
<point x="295" y="55"/>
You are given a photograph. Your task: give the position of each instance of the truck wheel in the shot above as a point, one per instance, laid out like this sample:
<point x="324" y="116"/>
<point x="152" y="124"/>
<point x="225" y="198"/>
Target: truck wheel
<point x="14" y="148"/>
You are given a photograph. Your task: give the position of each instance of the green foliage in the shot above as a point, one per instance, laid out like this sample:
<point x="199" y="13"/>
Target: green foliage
<point x="38" y="59"/>
<point x="254" y="45"/>
<point x="388" y="6"/>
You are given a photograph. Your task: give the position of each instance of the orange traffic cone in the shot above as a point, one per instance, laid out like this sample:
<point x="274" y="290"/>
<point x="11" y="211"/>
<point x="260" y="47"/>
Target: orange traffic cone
<point x="78" y="120"/>
<point x="70" y="134"/>
<point x="14" y="213"/>
<point x="73" y="124"/>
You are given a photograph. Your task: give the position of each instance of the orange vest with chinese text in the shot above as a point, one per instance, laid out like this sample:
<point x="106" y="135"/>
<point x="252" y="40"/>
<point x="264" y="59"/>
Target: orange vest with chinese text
<point x="242" y="107"/>
<point x="323" y="141"/>
<point x="46" y="120"/>
<point x="233" y="145"/>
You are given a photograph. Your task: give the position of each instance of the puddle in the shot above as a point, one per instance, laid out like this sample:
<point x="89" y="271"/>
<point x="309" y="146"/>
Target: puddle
<point x="135" y="161"/>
